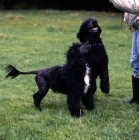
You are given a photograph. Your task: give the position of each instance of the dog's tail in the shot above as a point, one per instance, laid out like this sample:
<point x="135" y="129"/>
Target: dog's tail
<point x="13" y="72"/>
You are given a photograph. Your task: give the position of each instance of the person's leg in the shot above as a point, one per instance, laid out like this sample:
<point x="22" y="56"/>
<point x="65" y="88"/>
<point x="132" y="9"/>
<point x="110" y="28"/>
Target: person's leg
<point x="135" y="54"/>
<point x="135" y="67"/>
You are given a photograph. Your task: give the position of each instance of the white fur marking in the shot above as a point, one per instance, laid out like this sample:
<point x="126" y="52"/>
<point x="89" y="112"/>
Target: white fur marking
<point x="87" y="79"/>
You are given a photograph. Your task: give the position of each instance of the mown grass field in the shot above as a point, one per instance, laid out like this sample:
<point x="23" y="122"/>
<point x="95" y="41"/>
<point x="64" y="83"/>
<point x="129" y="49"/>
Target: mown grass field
<point x="37" y="39"/>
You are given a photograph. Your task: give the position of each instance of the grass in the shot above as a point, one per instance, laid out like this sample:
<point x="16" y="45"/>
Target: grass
<point x="37" y="39"/>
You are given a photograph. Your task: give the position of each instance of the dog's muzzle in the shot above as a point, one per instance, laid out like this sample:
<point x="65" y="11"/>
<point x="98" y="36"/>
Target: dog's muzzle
<point x="94" y="29"/>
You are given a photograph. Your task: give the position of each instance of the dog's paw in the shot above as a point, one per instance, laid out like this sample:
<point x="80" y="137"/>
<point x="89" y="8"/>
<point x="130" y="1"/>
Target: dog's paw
<point x="77" y="114"/>
<point x="38" y="108"/>
<point x="90" y="108"/>
<point x="105" y="89"/>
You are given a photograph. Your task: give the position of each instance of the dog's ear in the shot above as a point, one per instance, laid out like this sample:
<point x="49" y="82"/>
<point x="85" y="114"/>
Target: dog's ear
<point x="81" y="35"/>
<point x="99" y="30"/>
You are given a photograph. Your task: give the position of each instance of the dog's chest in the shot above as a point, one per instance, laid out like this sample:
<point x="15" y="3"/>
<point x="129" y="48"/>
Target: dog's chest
<point x="97" y="54"/>
<point x="87" y="79"/>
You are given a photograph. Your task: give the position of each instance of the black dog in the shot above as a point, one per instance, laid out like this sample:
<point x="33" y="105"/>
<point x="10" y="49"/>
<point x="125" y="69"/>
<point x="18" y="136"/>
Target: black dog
<point x="90" y="31"/>
<point x="71" y="79"/>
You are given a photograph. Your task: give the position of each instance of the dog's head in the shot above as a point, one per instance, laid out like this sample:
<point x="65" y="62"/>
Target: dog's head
<point x="89" y="28"/>
<point x="78" y="53"/>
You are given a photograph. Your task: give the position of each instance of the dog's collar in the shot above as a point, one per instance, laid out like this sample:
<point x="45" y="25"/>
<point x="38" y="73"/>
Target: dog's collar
<point x="100" y="44"/>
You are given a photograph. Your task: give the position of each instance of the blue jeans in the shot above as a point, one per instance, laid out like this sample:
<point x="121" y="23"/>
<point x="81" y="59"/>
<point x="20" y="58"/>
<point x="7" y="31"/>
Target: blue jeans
<point x="135" y="53"/>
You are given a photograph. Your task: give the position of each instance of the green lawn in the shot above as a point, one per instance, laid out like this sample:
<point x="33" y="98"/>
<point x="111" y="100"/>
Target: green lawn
<point x="37" y="39"/>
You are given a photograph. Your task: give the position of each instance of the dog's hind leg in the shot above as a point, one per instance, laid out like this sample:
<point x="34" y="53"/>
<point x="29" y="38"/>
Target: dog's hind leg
<point x="43" y="89"/>
<point x="35" y="95"/>
<point x="74" y="107"/>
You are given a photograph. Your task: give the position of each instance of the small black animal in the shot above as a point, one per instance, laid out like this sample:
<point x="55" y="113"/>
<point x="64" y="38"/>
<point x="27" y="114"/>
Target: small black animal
<point x="71" y="79"/>
<point x="98" y="59"/>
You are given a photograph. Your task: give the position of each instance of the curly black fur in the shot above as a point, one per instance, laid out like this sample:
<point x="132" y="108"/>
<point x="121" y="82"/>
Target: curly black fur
<point x="98" y="59"/>
<point x="67" y="79"/>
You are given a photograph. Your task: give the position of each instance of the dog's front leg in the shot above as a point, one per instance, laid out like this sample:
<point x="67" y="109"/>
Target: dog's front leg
<point x="74" y="106"/>
<point x="88" y="101"/>
<point x="104" y="80"/>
